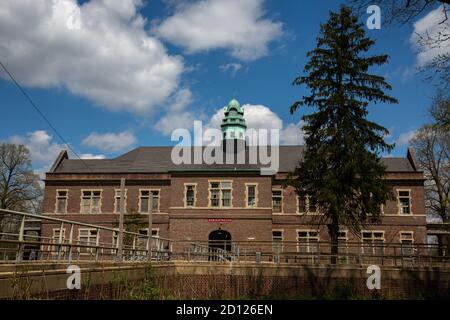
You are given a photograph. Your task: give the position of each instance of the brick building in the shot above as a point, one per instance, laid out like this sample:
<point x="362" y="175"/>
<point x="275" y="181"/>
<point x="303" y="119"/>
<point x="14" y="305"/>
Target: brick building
<point x="199" y="202"/>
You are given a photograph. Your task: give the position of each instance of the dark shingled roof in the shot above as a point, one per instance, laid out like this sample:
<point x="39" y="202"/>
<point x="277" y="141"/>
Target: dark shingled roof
<point x="158" y="160"/>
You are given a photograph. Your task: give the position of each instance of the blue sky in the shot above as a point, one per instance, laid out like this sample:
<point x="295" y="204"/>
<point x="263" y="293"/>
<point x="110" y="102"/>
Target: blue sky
<point x="106" y="92"/>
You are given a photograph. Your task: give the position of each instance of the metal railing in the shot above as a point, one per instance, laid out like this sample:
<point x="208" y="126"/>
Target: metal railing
<point x="211" y="251"/>
<point x="99" y="243"/>
<point x="315" y="253"/>
<point x="68" y="243"/>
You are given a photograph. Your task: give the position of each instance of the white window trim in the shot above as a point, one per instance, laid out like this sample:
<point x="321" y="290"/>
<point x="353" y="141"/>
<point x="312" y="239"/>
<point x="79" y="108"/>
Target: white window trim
<point x="220" y="194"/>
<point x="399" y="211"/>
<point x="185" y="195"/>
<point x="403" y="232"/>
<point x="282" y="200"/>
<point x="100" y="204"/>
<point x="308" y="231"/>
<point x="150" y="195"/>
<point x="346" y="235"/>
<point x="118" y="204"/>
<point x="306" y="212"/>
<point x="256" y="185"/>
<point x="373" y="238"/>
<point x="282" y="238"/>
<point x="54" y="245"/>
<point x="67" y="200"/>
<point x="89" y="251"/>
<point x="153" y="229"/>
<point x="297" y="204"/>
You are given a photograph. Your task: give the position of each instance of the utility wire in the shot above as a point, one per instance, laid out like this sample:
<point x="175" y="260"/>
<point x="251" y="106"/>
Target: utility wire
<point x="43" y="115"/>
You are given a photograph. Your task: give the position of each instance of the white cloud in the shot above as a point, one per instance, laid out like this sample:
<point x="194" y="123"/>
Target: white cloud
<point x="111" y="60"/>
<point x="292" y="134"/>
<point x="42" y="148"/>
<point x="231" y="67"/>
<point x="110" y="142"/>
<point x="262" y="117"/>
<point x="404" y="138"/>
<point x="181" y="100"/>
<point x="167" y="124"/>
<point x="430" y="26"/>
<point x="90" y="156"/>
<point x="176" y="117"/>
<point x="236" y="25"/>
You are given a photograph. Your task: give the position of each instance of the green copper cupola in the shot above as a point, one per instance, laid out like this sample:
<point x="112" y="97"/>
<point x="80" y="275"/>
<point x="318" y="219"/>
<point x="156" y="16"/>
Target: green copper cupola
<point x="233" y="124"/>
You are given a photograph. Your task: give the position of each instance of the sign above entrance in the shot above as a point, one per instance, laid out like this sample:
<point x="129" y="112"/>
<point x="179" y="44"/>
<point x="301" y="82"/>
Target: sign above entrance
<point x="219" y="220"/>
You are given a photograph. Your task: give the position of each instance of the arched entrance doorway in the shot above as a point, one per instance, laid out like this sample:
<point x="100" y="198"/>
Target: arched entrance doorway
<point x="220" y="239"/>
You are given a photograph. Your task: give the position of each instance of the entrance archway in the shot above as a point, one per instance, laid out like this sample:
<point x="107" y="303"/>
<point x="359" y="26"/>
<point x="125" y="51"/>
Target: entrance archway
<point x="220" y="239"/>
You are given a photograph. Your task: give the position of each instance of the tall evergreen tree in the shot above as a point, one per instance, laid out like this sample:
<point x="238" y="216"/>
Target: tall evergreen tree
<point x="341" y="166"/>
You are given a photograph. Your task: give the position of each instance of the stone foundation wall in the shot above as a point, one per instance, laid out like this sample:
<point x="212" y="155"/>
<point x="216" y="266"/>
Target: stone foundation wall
<point x="222" y="281"/>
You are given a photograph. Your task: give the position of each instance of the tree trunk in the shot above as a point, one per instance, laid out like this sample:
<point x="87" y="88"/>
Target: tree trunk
<point x="333" y="231"/>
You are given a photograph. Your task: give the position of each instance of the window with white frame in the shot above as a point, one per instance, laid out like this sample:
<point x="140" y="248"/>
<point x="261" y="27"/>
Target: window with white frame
<point x="312" y="204"/>
<point x="342" y="238"/>
<point x="306" y="204"/>
<point x="145" y="196"/>
<point x="57" y="236"/>
<point x="90" y="201"/>
<point x="251" y="195"/>
<point x="406" y="241"/>
<point x="190" y="195"/>
<point x="373" y="242"/>
<point x="308" y="241"/>
<point x="142" y="241"/>
<point x="87" y="237"/>
<point x="404" y="201"/>
<point x="220" y="194"/>
<point x="61" y="201"/>
<point x="277" y="241"/>
<point x="117" y="197"/>
<point x="301" y="203"/>
<point x="115" y="241"/>
<point x="277" y="201"/>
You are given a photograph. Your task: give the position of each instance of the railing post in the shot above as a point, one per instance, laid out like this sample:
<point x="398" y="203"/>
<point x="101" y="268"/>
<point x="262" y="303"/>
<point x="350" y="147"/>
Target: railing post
<point x="159" y="248"/>
<point x="121" y="216"/>
<point x="19" y="252"/>
<point x="395" y="256"/>
<point x="401" y="253"/>
<point x="150" y="227"/>
<point x="148" y="247"/>
<point x="70" y="243"/>
<point x="418" y="255"/>
<point x="97" y="244"/>
<point x="134" y="246"/>
<point x="318" y="252"/>
<point x="60" y="240"/>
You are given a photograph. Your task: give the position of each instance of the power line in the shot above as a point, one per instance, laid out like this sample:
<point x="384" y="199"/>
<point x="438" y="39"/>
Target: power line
<point x="42" y="115"/>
